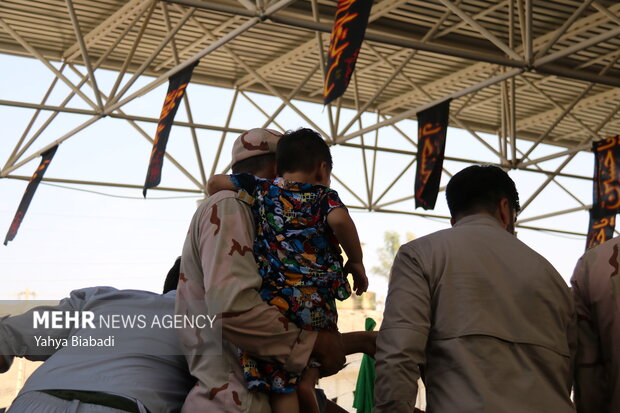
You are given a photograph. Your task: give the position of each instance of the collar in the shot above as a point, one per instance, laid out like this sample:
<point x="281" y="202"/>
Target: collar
<point x="478" y="219"/>
<point x="292" y="185"/>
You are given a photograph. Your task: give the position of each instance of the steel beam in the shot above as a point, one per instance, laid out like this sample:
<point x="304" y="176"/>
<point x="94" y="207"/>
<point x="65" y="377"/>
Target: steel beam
<point x="134" y="47"/>
<point x="45" y="124"/>
<point x="188" y="108"/>
<point x="61" y="109"/>
<point x="80" y="39"/>
<point x="218" y="153"/>
<point x="560" y="168"/>
<point x="559" y="32"/>
<point x="481" y="29"/>
<point x="213" y="46"/>
<point x="553" y="214"/>
<point x="43" y="60"/>
<point x="108" y="184"/>
<point x="144" y="66"/>
<point x="106" y="27"/>
<point x="577" y="47"/>
<point x="411" y="112"/>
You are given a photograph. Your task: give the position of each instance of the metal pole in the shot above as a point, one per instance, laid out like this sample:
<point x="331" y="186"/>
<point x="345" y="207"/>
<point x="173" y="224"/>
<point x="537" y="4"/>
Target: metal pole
<point x="58" y="141"/>
<point x="349" y="189"/>
<point x="543" y="50"/>
<point x="260" y="109"/>
<point x="228" y="118"/>
<point x="213" y="46"/>
<point x="291" y="95"/>
<point x="577" y="47"/>
<point x="484" y="32"/>
<point x="110" y="184"/>
<point x="68" y="98"/>
<point x="554" y="214"/>
<point x="33" y="119"/>
<point x="85" y="56"/>
<point x="363" y="151"/>
<point x="322" y="63"/>
<point x="119" y="115"/>
<point x="394" y="181"/>
<point x="43" y="60"/>
<point x="556" y="155"/>
<point x="379" y="91"/>
<point x="150" y="59"/>
<point x="134" y="47"/>
<point x="411" y="112"/>
<point x="566" y="112"/>
<point x="188" y="109"/>
<point x="528" y="33"/>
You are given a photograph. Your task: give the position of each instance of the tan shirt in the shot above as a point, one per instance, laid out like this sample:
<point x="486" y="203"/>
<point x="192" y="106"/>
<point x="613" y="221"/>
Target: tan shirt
<point x="596" y="286"/>
<point x="220" y="277"/>
<point x="488" y="318"/>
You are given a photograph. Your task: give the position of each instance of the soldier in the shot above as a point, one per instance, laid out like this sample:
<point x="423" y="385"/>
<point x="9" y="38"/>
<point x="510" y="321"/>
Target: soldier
<point x="596" y="285"/>
<point x="219" y="276"/>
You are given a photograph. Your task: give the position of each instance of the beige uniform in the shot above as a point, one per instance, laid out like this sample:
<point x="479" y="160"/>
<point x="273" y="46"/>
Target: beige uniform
<point x="220" y="277"/>
<point x="490" y="320"/>
<point x="596" y="289"/>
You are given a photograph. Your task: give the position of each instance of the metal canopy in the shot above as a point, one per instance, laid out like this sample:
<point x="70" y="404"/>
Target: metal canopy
<point x="539" y="71"/>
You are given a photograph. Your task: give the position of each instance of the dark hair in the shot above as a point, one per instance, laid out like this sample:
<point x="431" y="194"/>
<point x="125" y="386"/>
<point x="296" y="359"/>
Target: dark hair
<point x="254" y="165"/>
<point x="480" y="188"/>
<point x="172" y="279"/>
<point x="302" y="150"/>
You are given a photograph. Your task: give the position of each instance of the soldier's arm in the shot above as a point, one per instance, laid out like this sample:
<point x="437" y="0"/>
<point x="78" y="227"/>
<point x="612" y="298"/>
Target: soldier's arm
<point x="18" y="333"/>
<point x="403" y="336"/>
<point x="591" y="384"/>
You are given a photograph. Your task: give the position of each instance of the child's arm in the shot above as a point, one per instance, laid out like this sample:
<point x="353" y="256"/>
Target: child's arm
<point x="344" y="229"/>
<point x="220" y="182"/>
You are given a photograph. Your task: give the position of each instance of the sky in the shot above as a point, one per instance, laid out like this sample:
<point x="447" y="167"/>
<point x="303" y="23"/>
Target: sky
<point x="76" y="236"/>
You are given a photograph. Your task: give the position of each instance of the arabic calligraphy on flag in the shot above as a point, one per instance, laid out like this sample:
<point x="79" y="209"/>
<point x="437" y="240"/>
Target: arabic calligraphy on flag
<point x="606" y="191"/>
<point x="46" y="159"/>
<point x="601" y="227"/>
<point x="176" y="90"/>
<point x="432" y="129"/>
<point x="344" y="46"/>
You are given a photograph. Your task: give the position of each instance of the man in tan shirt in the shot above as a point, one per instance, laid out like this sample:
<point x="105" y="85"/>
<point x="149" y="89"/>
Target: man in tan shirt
<point x="219" y="277"/>
<point x="488" y="319"/>
<point x="596" y="290"/>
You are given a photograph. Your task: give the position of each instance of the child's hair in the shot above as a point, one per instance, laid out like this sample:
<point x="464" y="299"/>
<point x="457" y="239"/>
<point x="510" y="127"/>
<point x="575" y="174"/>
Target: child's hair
<point x="302" y="151"/>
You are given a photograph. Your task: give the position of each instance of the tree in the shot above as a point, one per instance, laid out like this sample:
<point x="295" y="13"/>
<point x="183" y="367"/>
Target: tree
<point x="391" y="244"/>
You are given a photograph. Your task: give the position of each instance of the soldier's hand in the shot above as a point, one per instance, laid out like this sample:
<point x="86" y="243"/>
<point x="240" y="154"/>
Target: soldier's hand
<point x="329" y="351"/>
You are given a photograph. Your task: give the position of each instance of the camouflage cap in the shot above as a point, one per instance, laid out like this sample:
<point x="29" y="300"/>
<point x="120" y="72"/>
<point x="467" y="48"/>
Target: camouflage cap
<point x="254" y="142"/>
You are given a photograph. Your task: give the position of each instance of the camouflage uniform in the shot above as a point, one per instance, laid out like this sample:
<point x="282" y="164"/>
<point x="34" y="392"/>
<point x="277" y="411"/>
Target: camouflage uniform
<point x="219" y="276"/>
<point x="596" y="290"/>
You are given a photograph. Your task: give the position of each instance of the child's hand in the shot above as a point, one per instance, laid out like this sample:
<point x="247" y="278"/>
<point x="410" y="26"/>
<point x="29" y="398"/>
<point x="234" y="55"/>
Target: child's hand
<point x="360" y="281"/>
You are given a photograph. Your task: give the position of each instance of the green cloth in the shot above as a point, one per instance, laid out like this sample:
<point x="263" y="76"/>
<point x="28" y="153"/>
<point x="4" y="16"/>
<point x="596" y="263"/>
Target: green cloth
<point x="363" y="398"/>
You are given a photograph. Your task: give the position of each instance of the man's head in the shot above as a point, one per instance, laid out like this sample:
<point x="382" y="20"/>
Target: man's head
<point x="254" y="152"/>
<point x="303" y="150"/>
<point x="483" y="189"/>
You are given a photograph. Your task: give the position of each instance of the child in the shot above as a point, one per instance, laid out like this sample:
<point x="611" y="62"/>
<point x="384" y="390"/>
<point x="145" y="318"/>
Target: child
<point x="300" y="222"/>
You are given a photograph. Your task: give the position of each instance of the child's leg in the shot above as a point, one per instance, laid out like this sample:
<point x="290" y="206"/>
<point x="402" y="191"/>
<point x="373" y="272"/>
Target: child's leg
<point x="305" y="391"/>
<point x="360" y="342"/>
<point x="284" y="402"/>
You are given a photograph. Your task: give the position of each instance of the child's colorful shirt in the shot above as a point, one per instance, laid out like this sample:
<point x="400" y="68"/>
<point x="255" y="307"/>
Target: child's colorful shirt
<point x="296" y="251"/>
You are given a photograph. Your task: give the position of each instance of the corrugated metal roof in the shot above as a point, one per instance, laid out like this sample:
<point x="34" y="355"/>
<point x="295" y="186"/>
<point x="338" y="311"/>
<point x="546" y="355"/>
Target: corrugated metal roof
<point x="283" y="49"/>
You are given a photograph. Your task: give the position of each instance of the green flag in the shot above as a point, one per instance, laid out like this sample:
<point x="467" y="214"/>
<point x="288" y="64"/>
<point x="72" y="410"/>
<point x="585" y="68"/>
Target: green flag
<point x="363" y="399"/>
